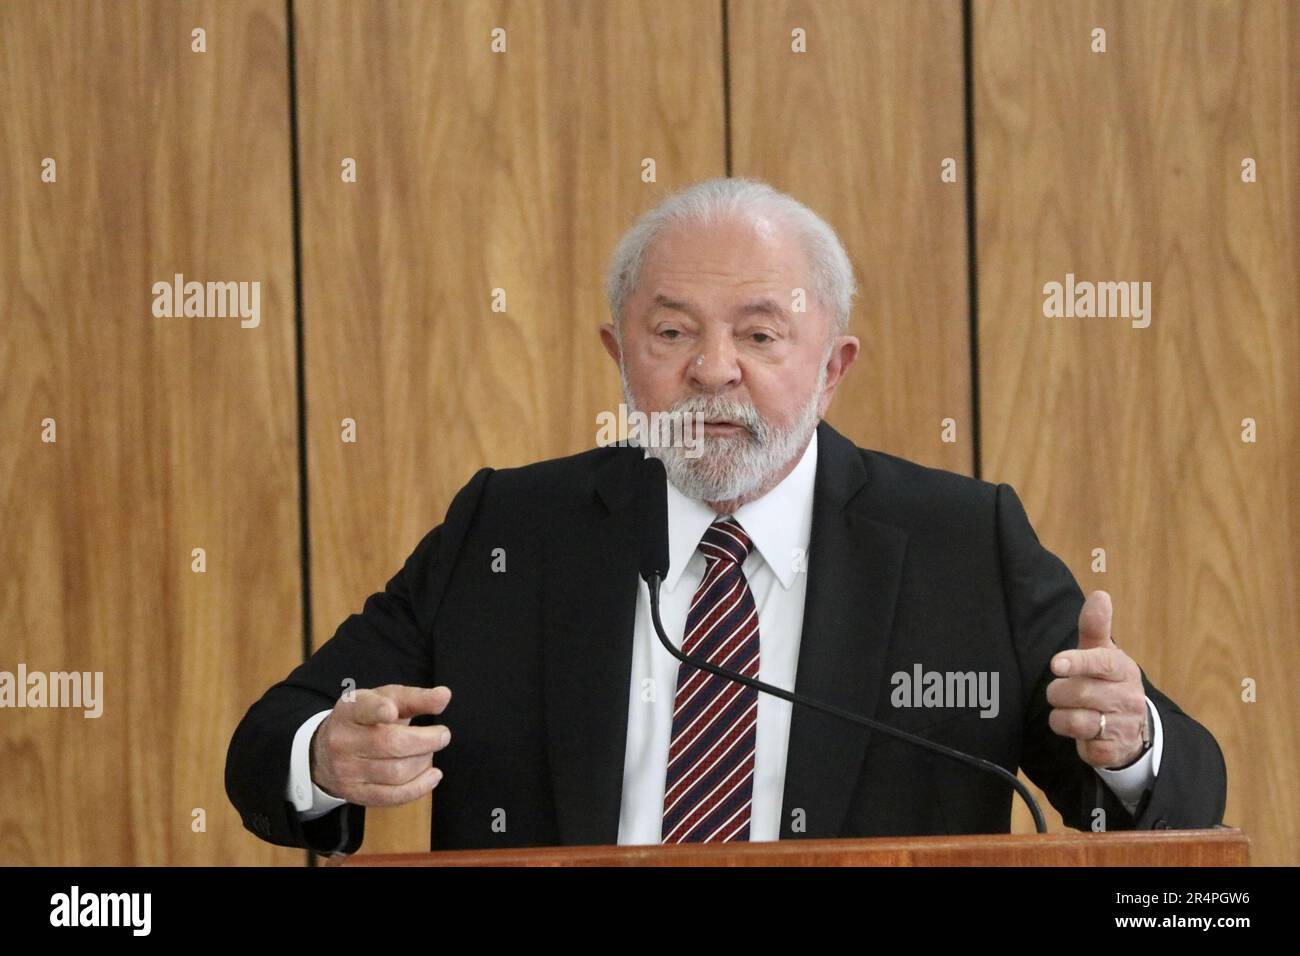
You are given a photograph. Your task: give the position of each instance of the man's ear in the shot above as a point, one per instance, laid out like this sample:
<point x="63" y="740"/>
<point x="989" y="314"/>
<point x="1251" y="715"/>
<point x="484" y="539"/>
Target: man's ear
<point x="843" y="353"/>
<point x="609" y="338"/>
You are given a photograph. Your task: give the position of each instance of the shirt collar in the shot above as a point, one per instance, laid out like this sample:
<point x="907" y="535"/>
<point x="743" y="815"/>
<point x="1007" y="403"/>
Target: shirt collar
<point x="779" y="523"/>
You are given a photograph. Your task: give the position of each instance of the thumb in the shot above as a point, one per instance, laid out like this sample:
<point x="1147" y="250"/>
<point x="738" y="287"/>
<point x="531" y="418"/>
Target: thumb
<point x="1094" y="621"/>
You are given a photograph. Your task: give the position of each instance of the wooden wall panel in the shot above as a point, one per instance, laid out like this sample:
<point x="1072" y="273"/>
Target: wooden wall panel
<point x="475" y="171"/>
<point x="172" y="433"/>
<point x="1126" y="165"/>
<point x="857" y="128"/>
<point x="519" y="171"/>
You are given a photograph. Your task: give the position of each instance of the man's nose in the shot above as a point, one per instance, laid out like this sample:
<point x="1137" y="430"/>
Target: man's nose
<point x="714" y="368"/>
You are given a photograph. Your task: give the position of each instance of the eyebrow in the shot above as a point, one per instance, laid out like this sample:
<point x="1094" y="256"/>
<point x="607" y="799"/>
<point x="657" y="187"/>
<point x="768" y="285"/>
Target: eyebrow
<point x="763" y="306"/>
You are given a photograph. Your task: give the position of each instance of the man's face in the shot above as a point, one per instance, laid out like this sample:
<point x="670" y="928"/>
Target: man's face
<point x="710" y="328"/>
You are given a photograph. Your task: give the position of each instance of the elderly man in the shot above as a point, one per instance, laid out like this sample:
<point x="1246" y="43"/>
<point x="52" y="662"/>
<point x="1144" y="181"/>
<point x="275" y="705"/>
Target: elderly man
<point x="856" y="578"/>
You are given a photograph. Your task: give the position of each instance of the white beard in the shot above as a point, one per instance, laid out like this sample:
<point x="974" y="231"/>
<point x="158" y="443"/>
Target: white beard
<point x="730" y="467"/>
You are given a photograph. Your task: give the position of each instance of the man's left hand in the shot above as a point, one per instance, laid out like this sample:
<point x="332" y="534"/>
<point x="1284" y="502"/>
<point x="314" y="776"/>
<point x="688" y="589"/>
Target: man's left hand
<point x="1098" y="678"/>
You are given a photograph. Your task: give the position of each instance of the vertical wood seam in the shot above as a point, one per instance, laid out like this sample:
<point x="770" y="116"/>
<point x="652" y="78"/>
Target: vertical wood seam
<point x="300" y="391"/>
<point x="972" y="259"/>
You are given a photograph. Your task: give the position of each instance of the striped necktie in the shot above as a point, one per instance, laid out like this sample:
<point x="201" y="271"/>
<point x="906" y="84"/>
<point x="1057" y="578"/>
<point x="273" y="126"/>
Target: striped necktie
<point x="710" y="780"/>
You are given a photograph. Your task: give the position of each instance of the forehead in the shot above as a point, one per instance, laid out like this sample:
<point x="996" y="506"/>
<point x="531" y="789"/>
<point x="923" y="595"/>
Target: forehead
<point x="730" y="255"/>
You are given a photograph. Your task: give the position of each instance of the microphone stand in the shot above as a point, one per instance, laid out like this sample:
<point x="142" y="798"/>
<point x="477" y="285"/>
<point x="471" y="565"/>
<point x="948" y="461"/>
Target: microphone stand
<point x="654" y="580"/>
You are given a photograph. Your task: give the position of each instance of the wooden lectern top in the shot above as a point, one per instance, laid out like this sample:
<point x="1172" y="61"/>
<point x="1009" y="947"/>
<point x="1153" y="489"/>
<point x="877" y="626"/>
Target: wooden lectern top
<point x="1222" y="846"/>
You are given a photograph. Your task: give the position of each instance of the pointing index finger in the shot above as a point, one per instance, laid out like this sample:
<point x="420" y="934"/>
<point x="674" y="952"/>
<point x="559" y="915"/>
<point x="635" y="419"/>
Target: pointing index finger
<point x="414" y="701"/>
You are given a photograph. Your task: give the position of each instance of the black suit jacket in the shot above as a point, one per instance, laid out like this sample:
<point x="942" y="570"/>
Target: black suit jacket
<point x="906" y="565"/>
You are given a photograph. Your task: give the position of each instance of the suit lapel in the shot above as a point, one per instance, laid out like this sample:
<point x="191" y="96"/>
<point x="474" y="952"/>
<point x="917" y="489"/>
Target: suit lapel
<point x="589" y="601"/>
<point x="589" y="613"/>
<point x="854" y="571"/>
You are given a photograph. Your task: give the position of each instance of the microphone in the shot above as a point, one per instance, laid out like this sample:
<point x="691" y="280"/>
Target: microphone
<point x="652" y="527"/>
<point x="652" y="520"/>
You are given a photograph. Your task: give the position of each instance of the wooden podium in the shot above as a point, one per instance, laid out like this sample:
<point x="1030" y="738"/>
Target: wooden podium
<point x="1222" y="846"/>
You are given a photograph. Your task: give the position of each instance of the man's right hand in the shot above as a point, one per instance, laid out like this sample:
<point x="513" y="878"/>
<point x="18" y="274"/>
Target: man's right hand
<point x="367" y="752"/>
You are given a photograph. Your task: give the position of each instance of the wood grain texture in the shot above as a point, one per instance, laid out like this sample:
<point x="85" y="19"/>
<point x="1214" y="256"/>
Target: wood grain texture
<point x="1222" y="847"/>
<point x="857" y="128"/>
<point x="1126" y="165"/>
<point x="519" y="171"/>
<point x="172" y="433"/>
<point x="476" y="171"/>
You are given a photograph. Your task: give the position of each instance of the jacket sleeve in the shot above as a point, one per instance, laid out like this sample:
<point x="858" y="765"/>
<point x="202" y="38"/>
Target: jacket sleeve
<point x="1043" y="602"/>
<point x="389" y="642"/>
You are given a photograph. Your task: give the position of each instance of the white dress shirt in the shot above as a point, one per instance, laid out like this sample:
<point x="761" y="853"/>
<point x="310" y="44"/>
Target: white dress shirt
<point x="780" y="525"/>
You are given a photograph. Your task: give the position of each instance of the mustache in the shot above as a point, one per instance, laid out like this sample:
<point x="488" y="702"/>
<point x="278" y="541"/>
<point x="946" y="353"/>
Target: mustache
<point x="729" y="409"/>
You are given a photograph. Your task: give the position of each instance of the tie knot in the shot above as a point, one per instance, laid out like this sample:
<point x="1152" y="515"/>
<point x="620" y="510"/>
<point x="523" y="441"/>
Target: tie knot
<point x="726" y="540"/>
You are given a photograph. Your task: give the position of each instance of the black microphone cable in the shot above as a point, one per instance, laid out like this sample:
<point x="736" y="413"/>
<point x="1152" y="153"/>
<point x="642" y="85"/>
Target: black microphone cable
<point x="653" y="583"/>
<point x="653" y="533"/>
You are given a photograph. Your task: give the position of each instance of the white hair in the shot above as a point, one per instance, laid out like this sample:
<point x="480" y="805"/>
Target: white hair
<point x="713" y="200"/>
<point x="727" y="468"/>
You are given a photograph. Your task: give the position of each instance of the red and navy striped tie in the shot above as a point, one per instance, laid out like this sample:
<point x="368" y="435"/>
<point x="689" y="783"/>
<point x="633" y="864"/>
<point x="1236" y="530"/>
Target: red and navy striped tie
<point x="710" y="783"/>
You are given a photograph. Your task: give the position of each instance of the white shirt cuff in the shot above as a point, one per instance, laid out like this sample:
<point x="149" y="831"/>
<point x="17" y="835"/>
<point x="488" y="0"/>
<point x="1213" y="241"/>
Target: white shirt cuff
<point x="1129" y="783"/>
<point x="308" y="799"/>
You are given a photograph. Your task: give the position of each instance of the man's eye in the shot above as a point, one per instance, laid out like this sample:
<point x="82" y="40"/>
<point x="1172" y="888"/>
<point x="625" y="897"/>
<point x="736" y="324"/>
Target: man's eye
<point x="762" y="338"/>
